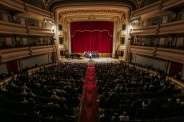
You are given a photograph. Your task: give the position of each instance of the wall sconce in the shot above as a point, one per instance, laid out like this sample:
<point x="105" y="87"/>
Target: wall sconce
<point x="53" y="28"/>
<point x="49" y="21"/>
<point x="136" y="20"/>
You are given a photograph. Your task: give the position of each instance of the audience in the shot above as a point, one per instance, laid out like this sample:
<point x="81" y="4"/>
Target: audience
<point x="127" y="93"/>
<point x="49" y="93"/>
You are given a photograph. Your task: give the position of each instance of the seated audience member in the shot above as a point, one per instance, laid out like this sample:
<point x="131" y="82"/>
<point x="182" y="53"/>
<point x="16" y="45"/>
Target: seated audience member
<point x="124" y="117"/>
<point x="24" y="100"/>
<point x="24" y="92"/>
<point x="55" y="97"/>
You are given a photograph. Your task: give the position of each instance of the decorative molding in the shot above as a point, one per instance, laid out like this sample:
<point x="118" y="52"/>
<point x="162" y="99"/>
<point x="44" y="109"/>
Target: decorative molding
<point x="91" y="17"/>
<point x="166" y="28"/>
<point x="157" y="6"/>
<point x="163" y="53"/>
<point x="81" y="11"/>
<point x="16" y="53"/>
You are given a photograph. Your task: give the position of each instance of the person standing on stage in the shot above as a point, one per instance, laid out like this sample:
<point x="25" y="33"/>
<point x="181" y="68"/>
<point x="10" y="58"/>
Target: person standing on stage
<point x="90" y="55"/>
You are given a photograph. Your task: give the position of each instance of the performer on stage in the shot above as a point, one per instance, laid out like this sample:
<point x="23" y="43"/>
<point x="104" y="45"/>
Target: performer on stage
<point x="91" y="54"/>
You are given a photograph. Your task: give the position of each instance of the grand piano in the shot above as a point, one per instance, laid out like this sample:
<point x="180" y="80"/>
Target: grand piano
<point x="72" y="56"/>
<point x="77" y="56"/>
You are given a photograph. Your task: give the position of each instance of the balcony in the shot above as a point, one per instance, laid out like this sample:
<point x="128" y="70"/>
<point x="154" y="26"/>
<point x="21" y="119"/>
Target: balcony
<point x="149" y="30"/>
<point x="36" y="31"/>
<point x="36" y="50"/>
<point x="170" y="54"/>
<point x="155" y="7"/>
<point x="166" y="28"/>
<point x="145" y="10"/>
<point x="13" y="5"/>
<point x="163" y="53"/>
<point x="14" y="53"/>
<point x="148" y="51"/>
<point x="25" y="8"/>
<point x="171" y="3"/>
<point x="37" y="11"/>
<point x="12" y="28"/>
<point x="172" y="27"/>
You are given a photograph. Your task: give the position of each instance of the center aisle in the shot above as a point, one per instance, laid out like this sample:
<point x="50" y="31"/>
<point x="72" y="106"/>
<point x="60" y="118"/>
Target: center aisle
<point x="89" y="111"/>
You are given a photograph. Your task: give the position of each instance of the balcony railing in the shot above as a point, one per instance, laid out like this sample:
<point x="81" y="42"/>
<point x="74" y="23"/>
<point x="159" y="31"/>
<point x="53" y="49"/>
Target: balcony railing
<point x="36" y="50"/>
<point x="155" y="7"/>
<point x="172" y="27"/>
<point x="171" y="3"/>
<point x="15" y="53"/>
<point x="166" y="28"/>
<point x="23" y="7"/>
<point x="170" y="54"/>
<point x="12" y="28"/>
<point x="149" y="30"/>
<point x="150" y="8"/>
<point x="163" y="53"/>
<point x="35" y="10"/>
<point x="13" y="4"/>
<point x="39" y="31"/>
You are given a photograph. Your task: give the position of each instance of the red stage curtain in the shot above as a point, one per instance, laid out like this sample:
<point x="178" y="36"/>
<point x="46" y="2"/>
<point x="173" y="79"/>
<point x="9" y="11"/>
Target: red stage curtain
<point x="91" y="36"/>
<point x="12" y="66"/>
<point x="175" y="68"/>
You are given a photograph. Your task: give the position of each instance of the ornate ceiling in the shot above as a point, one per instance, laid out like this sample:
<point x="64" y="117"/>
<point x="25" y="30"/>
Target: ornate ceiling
<point x="86" y="9"/>
<point x="51" y="5"/>
<point x="54" y="4"/>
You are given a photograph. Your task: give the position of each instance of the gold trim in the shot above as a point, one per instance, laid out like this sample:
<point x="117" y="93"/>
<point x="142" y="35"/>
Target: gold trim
<point x="92" y="11"/>
<point x="91" y="31"/>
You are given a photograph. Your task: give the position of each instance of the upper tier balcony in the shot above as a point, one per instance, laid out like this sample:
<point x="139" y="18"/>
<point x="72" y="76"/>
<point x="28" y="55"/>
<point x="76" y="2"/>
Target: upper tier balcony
<point x="36" y="31"/>
<point x="12" y="28"/>
<point x="163" y="53"/>
<point x="166" y="28"/>
<point x="23" y="7"/>
<point x="13" y="5"/>
<point x="155" y="7"/>
<point x="149" y="30"/>
<point x="142" y="50"/>
<point x="147" y="9"/>
<point x="172" y="27"/>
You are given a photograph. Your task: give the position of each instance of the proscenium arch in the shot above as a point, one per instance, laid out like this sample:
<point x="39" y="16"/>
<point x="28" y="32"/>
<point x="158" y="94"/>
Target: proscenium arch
<point x="113" y="13"/>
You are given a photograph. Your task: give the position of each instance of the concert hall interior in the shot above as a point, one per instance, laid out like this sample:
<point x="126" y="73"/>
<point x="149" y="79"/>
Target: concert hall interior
<point x="91" y="60"/>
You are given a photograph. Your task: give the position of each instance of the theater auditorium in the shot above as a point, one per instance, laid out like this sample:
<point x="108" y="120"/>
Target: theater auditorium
<point x="91" y="61"/>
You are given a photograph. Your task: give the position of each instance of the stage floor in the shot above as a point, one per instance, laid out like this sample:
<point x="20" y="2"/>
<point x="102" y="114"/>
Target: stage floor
<point x="96" y="60"/>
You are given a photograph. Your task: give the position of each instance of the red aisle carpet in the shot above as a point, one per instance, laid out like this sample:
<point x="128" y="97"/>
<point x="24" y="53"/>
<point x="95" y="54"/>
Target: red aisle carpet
<point x="89" y="111"/>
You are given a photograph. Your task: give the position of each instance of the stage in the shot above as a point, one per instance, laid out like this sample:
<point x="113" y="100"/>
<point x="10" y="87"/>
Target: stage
<point x="95" y="60"/>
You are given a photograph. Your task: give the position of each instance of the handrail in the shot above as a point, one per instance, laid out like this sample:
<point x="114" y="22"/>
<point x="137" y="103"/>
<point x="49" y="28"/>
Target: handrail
<point x="180" y="84"/>
<point x="146" y="70"/>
